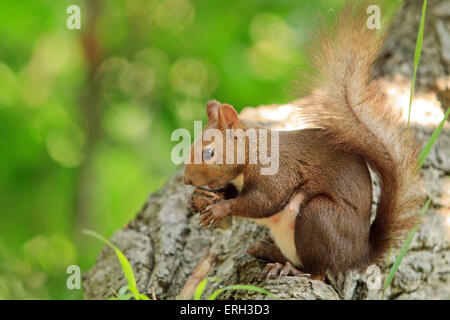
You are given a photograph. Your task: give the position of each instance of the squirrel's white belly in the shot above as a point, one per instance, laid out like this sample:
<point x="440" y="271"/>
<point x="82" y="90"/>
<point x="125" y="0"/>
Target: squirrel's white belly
<point x="282" y="227"/>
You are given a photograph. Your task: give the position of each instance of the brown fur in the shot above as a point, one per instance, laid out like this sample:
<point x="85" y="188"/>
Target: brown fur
<point x="350" y="108"/>
<point x="266" y="249"/>
<point x="328" y="164"/>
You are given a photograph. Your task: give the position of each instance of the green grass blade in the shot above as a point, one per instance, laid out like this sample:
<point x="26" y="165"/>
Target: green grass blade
<point x="413" y="85"/>
<point x="420" y="35"/>
<point x="417" y="54"/>
<point x="387" y="271"/>
<point x="122" y="290"/>
<point x="405" y="246"/>
<point x="126" y="266"/>
<point x="141" y="296"/>
<point x="426" y="150"/>
<point x="115" y="293"/>
<point x="201" y="287"/>
<point x="214" y="295"/>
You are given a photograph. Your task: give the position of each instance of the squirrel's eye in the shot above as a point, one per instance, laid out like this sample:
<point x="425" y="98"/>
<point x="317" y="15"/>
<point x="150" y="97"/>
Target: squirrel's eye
<point x="208" y="154"/>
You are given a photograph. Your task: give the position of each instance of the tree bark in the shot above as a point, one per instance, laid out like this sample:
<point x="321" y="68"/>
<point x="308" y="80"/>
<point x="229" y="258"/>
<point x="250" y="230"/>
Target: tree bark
<point x="170" y="252"/>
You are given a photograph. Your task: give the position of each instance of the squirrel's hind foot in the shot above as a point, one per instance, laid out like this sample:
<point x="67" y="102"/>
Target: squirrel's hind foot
<point x="276" y="269"/>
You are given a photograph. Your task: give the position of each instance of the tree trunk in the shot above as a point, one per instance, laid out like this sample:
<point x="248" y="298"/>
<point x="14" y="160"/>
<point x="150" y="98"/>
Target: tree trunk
<point x="170" y="252"/>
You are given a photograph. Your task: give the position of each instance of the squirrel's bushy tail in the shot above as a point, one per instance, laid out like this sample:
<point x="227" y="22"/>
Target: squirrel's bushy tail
<point x="350" y="107"/>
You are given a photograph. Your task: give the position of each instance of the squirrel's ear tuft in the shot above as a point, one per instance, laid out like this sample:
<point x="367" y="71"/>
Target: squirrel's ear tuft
<point x="212" y="110"/>
<point x="228" y="117"/>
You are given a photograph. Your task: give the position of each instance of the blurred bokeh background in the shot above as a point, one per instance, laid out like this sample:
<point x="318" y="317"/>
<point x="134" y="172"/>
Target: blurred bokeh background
<point x="86" y="115"/>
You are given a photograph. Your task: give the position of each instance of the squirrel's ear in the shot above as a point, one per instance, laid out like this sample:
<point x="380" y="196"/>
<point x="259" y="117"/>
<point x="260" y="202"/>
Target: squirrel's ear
<point x="228" y="117"/>
<point x="212" y="110"/>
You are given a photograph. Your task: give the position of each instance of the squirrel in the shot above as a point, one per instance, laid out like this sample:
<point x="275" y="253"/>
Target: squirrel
<point x="318" y="204"/>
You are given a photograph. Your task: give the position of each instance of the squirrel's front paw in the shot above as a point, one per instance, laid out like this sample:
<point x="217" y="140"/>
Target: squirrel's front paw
<point x="214" y="213"/>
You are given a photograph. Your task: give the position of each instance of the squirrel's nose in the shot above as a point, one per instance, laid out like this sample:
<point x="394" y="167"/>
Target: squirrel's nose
<point x="187" y="180"/>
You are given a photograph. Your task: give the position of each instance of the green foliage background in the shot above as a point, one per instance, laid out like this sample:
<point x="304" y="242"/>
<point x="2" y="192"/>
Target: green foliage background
<point x="86" y="115"/>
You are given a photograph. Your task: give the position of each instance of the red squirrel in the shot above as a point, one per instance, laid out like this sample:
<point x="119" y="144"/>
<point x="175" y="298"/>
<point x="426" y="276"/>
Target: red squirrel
<point x="318" y="204"/>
